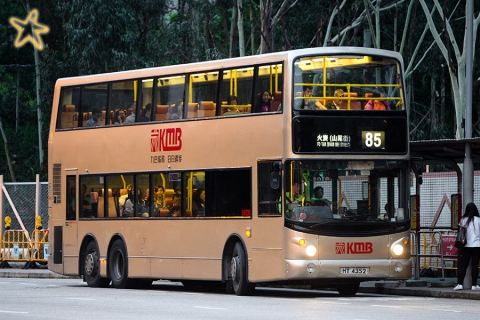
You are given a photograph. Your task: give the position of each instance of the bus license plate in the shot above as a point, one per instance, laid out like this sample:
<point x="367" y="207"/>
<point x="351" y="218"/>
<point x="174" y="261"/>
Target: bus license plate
<point x="354" y="270"/>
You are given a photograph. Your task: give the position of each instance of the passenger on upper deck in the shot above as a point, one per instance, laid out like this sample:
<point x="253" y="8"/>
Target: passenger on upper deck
<point x="377" y="104"/>
<point x="93" y="121"/>
<point x="306" y="102"/>
<point x="177" y="110"/>
<point x="120" y="117"/>
<point x="146" y="113"/>
<point x="131" y="117"/>
<point x="198" y="203"/>
<point x="335" y="104"/>
<point x="263" y="103"/>
<point x="231" y="101"/>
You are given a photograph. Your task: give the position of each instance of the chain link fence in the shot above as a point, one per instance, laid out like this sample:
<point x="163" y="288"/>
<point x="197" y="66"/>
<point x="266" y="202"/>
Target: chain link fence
<point x="435" y="196"/>
<point x="23" y="196"/>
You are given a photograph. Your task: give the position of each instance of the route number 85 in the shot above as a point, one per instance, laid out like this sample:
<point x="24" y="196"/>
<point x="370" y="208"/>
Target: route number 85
<point x="373" y="139"/>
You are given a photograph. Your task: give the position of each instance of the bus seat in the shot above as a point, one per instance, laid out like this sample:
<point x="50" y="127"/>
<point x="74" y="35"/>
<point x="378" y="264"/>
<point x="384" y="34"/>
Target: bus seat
<point x="112" y="208"/>
<point x="93" y="197"/>
<point x="169" y="193"/>
<point x="68" y="113"/>
<point x="161" y="112"/>
<point x="192" y="110"/>
<point x="103" y="119"/>
<point x="164" y="212"/>
<point x="277" y="100"/>
<point x="85" y="117"/>
<point x="101" y="206"/>
<point x="206" y="109"/>
<point x="354" y="104"/>
<point x="94" y="203"/>
<point x="112" y="116"/>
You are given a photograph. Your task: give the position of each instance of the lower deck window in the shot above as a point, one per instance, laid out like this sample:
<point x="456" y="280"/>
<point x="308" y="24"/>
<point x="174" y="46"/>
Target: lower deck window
<point x="196" y="194"/>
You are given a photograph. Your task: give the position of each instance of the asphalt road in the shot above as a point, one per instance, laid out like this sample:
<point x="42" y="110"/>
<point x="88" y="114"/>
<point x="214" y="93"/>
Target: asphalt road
<point x="54" y="298"/>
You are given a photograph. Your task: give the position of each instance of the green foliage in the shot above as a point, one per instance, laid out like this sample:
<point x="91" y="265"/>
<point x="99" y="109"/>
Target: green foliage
<point x="88" y="37"/>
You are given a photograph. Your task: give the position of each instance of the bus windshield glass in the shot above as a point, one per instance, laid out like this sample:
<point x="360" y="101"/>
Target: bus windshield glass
<point x="346" y="192"/>
<point x="347" y="83"/>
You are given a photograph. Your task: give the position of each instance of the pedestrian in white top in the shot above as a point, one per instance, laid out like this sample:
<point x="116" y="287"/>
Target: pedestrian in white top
<point x="471" y="221"/>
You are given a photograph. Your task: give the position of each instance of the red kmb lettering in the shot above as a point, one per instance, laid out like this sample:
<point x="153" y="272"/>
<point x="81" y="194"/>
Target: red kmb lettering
<point x="359" y="247"/>
<point x="169" y="139"/>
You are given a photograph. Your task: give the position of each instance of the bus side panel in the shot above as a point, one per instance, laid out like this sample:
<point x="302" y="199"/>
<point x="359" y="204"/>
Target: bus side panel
<point x="265" y="250"/>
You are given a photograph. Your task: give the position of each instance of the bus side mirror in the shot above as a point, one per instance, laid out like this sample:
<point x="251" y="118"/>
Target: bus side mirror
<point x="275" y="175"/>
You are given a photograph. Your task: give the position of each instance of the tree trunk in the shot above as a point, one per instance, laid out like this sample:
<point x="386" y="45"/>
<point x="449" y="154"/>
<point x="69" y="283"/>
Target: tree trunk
<point x="241" y="37"/>
<point x="232" y="29"/>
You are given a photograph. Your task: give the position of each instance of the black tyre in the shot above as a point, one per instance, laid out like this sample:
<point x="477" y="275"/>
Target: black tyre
<point x="91" y="271"/>
<point x="349" y="290"/>
<point x="238" y="272"/>
<point x="118" y="266"/>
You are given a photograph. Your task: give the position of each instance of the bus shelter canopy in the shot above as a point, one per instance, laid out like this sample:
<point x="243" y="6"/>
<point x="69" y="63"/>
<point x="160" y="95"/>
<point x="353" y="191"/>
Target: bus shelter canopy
<point x="444" y="151"/>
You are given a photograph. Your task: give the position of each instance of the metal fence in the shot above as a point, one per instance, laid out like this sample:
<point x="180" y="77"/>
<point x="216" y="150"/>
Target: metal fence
<point x="435" y="196"/>
<point x="23" y="197"/>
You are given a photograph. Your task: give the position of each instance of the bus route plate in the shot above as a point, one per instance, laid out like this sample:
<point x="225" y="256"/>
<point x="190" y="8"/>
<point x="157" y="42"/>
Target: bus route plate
<point x="354" y="270"/>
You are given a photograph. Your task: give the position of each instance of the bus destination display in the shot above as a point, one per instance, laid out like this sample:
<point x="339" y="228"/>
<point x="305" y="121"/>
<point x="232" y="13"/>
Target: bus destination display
<point x="349" y="135"/>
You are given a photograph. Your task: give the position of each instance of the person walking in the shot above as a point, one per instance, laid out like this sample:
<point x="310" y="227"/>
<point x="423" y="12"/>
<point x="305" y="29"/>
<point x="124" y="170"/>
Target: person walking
<point x="471" y="222"/>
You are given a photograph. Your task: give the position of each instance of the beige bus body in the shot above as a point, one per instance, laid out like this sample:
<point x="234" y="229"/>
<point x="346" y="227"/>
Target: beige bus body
<point x="195" y="248"/>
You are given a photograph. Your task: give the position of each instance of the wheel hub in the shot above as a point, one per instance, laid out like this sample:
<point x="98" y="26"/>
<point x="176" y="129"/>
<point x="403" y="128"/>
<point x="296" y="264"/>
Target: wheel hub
<point x="234" y="267"/>
<point x="90" y="264"/>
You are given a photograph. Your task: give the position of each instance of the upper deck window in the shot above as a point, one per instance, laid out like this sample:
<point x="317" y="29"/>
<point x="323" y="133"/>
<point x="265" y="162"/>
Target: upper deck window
<point x="347" y="83"/>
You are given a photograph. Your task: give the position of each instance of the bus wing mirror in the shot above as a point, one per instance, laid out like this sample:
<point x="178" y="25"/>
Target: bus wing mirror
<point x="275" y="175"/>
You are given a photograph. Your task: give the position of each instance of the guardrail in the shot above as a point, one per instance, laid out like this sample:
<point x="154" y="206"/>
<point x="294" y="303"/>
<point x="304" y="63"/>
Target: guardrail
<point x="19" y="246"/>
<point x="435" y="251"/>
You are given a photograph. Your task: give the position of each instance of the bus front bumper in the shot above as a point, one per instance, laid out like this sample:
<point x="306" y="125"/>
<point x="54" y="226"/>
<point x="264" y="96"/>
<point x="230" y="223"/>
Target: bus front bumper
<point x="348" y="269"/>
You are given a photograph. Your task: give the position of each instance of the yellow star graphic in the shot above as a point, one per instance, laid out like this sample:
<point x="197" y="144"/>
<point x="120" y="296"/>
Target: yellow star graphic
<point x="37" y="29"/>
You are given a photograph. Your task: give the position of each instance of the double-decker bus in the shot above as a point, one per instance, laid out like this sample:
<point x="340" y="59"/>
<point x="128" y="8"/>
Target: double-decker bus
<point x="275" y="169"/>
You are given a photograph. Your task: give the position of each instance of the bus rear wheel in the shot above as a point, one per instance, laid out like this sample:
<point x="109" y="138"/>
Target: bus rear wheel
<point x="118" y="266"/>
<point x="238" y="272"/>
<point x="91" y="270"/>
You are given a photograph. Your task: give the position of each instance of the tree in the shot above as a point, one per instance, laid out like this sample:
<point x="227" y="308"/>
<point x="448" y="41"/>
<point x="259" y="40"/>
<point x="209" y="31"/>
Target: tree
<point x="456" y="61"/>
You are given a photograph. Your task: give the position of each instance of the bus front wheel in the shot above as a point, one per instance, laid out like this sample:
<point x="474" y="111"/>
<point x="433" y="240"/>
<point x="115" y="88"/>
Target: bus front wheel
<point x="238" y="272"/>
<point x="91" y="270"/>
<point x="118" y="265"/>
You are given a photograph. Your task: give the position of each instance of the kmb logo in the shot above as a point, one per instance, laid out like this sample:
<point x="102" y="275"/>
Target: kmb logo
<point x="169" y="139"/>
<point x="353" y="247"/>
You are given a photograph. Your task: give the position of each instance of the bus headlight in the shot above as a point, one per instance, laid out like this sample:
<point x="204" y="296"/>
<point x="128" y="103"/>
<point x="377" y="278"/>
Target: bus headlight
<point x="400" y="247"/>
<point x="311" y="250"/>
<point x="397" y="249"/>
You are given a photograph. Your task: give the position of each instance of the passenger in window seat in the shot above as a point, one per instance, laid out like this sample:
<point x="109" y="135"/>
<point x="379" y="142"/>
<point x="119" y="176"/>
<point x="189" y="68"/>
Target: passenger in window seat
<point x="93" y="121"/>
<point x="335" y="104"/>
<point x="263" y="103"/>
<point x="175" y="208"/>
<point x="198" y="204"/>
<point x="121" y="119"/>
<point x="177" y="109"/>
